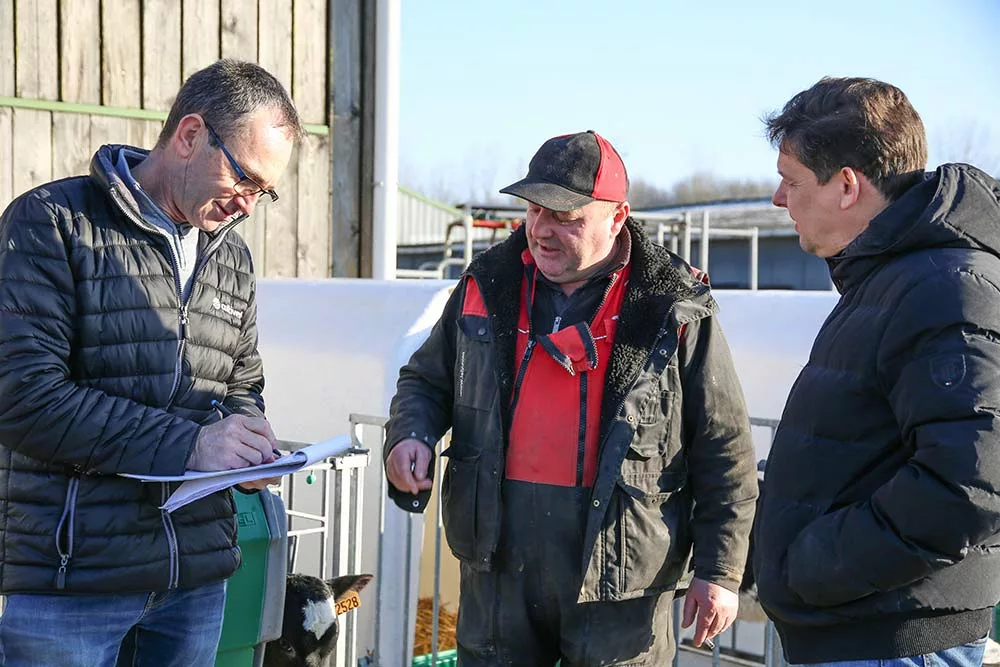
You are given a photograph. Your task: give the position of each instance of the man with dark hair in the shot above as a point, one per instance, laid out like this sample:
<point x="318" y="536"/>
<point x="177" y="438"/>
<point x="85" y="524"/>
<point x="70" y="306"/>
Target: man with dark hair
<point x="598" y="431"/>
<point x="877" y="537"/>
<point x="127" y="305"/>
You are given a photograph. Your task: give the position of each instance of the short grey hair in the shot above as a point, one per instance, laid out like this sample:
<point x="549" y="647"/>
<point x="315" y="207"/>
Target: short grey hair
<point x="225" y="93"/>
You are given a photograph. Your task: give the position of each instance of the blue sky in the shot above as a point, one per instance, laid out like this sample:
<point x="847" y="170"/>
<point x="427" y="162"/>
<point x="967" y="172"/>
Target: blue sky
<point x="677" y="87"/>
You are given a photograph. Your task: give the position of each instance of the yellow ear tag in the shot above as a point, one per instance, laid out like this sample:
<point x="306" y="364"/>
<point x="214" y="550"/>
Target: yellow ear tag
<point x="352" y="601"/>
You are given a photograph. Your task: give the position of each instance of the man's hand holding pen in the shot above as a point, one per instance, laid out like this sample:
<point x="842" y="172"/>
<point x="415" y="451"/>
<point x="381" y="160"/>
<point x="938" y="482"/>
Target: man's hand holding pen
<point x="237" y="441"/>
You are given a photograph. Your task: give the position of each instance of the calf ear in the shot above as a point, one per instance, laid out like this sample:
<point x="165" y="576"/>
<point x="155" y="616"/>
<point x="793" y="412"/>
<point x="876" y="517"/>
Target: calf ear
<point x="342" y="586"/>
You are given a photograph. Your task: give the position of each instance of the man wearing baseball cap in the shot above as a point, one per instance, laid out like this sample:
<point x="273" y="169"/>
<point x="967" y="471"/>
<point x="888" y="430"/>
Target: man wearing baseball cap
<point x="600" y="443"/>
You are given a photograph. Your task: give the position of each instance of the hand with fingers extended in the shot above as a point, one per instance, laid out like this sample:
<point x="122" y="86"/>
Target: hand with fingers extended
<point x="237" y="441"/>
<point x="407" y="466"/>
<point x="713" y="606"/>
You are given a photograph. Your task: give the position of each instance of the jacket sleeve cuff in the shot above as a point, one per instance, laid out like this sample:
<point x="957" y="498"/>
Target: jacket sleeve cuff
<point x="407" y="501"/>
<point x="727" y="580"/>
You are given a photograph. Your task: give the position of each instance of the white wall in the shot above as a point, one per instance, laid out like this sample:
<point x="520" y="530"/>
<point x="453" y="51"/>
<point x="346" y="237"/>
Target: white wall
<point x="334" y="347"/>
<point x="770" y="334"/>
<point x="331" y="348"/>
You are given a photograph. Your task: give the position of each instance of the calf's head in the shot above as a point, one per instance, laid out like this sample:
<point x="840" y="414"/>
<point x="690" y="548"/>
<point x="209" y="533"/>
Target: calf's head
<point x="309" y="629"/>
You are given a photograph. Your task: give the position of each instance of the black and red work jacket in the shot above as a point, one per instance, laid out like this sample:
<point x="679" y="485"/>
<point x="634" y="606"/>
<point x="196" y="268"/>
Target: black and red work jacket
<point x="674" y="460"/>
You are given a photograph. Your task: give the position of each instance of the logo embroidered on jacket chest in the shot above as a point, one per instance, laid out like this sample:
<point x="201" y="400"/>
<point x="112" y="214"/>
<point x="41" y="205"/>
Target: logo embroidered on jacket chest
<point x="217" y="304"/>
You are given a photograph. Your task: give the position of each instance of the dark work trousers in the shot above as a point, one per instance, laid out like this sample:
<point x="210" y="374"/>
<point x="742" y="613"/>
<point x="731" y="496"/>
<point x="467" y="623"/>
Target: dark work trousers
<point x="525" y="612"/>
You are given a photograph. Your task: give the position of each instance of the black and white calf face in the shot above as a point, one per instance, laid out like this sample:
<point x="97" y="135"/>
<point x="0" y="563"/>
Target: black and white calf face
<point x="309" y="630"/>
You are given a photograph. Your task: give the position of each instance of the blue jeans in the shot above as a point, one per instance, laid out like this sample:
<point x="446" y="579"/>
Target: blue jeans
<point x="966" y="655"/>
<point x="178" y="628"/>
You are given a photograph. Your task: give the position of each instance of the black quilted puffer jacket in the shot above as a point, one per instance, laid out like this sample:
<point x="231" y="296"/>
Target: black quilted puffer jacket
<point x="104" y="369"/>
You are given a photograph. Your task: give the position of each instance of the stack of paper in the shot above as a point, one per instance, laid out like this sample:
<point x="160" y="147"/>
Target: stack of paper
<point x="200" y="484"/>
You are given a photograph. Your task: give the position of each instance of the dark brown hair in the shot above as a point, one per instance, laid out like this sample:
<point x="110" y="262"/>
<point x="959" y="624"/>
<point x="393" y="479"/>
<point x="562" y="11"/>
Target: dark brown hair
<point x="227" y="91"/>
<point x="863" y="124"/>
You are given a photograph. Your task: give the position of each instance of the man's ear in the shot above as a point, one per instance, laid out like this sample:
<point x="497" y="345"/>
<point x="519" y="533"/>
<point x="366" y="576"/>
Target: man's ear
<point x="850" y="186"/>
<point x="188" y="135"/>
<point x="620" y="216"/>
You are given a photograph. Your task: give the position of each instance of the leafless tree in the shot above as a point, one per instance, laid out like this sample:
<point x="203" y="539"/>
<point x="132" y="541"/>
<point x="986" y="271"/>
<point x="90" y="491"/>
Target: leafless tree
<point x="971" y="142"/>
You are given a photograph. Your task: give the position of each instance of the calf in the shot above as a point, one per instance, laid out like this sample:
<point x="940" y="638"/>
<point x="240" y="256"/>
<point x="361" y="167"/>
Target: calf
<point x="309" y="629"/>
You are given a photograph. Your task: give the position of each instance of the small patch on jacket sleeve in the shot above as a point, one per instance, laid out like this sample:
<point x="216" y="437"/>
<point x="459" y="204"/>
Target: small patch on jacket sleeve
<point x="948" y="370"/>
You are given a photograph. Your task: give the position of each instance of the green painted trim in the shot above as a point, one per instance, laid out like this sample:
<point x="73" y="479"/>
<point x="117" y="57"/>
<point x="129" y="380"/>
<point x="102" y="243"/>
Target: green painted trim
<point x="117" y="112"/>
<point x="431" y="202"/>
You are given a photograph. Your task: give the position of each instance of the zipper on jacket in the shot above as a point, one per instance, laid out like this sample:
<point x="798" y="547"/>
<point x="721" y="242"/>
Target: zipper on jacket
<point x="168" y="527"/>
<point x="181" y="346"/>
<point x="621" y="403"/>
<point x="66" y="527"/>
<point x="521" y="372"/>
<point x="182" y="312"/>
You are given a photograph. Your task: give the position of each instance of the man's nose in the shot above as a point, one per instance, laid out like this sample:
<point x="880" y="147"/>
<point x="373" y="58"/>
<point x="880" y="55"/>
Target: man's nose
<point x="247" y="203"/>
<point x="778" y="198"/>
<point x="541" y="226"/>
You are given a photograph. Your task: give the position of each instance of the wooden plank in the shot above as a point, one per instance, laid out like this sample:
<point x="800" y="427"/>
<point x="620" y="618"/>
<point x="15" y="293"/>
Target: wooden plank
<point x="309" y="86"/>
<point x="137" y="133"/>
<point x="273" y="54"/>
<point x="346" y="134"/>
<point x="80" y="60"/>
<point x="146" y="133"/>
<point x="281" y="228"/>
<point x="252" y="231"/>
<point x="32" y="149"/>
<point x="314" y="207"/>
<point x="161" y="53"/>
<point x="7" y="87"/>
<point x="121" y="54"/>
<point x="108" y="130"/>
<point x="200" y="35"/>
<point x="274" y="38"/>
<point x="365" y="242"/>
<point x="71" y="150"/>
<point x="6" y="157"/>
<point x="239" y="29"/>
<point x="37" y="75"/>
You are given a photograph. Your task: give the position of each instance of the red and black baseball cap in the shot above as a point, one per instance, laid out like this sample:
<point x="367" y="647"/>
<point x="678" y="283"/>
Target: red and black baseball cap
<point x="571" y="171"/>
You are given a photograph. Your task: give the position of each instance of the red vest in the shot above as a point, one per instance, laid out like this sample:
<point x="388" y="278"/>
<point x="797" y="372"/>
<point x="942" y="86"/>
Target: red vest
<point x="558" y="390"/>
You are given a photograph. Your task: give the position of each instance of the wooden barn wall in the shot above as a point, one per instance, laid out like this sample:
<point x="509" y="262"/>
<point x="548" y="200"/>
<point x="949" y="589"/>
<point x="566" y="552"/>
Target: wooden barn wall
<point x="134" y="55"/>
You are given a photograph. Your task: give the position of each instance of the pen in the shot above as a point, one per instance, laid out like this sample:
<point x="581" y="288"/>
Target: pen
<point x="709" y="643"/>
<point x="226" y="412"/>
<point x="223" y="410"/>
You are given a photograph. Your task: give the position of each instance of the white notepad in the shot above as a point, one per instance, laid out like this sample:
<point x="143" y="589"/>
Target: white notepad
<point x="198" y="484"/>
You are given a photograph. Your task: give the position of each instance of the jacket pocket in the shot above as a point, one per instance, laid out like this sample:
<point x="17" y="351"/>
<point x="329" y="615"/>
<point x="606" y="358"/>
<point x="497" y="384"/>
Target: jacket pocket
<point x="658" y="430"/>
<point x="66" y="531"/>
<point x="652" y="540"/>
<point x="459" y="489"/>
<point x="473" y="382"/>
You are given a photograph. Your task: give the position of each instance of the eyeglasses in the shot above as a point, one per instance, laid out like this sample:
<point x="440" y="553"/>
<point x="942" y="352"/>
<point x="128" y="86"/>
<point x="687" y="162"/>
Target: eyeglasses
<point x="245" y="186"/>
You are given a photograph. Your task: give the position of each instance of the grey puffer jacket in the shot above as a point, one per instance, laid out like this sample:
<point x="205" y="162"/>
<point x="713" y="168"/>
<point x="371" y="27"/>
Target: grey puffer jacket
<point x="676" y="462"/>
<point x="879" y="529"/>
<point x="106" y="371"/>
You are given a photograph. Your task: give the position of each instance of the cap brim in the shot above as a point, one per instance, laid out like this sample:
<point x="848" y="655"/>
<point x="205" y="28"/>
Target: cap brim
<point x="547" y="195"/>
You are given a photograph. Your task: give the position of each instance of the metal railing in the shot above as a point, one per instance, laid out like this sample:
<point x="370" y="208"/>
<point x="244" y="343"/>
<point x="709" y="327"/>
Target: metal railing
<point x="674" y="230"/>
<point x="422" y="221"/>
<point x="336" y="521"/>
<point x="770" y="654"/>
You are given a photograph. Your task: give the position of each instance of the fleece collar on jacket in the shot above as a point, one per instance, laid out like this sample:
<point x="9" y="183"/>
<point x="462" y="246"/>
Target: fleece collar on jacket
<point x="659" y="282"/>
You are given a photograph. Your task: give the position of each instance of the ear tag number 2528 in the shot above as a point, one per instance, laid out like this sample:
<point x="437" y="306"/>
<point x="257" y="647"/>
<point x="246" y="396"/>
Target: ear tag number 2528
<point x="346" y="604"/>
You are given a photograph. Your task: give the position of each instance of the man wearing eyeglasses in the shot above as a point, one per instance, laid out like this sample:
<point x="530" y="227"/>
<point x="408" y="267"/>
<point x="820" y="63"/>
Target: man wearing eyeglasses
<point x="127" y="305"/>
